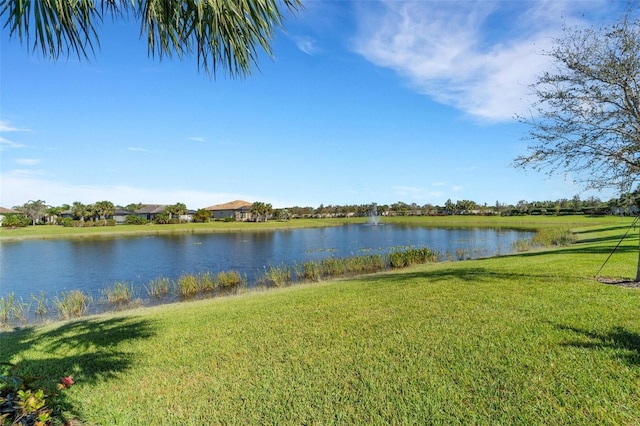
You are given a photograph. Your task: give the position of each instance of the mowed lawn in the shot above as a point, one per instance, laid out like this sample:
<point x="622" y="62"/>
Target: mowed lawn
<point x="530" y="338"/>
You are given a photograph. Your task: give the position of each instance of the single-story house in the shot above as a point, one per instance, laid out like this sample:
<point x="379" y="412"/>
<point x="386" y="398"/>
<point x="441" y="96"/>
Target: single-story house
<point x="4" y="212"/>
<point x="120" y="215"/>
<point x="146" y="211"/>
<point x="150" y="211"/>
<point x="188" y="216"/>
<point x="238" y="210"/>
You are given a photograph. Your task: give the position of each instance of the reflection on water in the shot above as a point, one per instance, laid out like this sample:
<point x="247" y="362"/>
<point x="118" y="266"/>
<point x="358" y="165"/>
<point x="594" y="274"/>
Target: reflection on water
<point x="91" y="265"/>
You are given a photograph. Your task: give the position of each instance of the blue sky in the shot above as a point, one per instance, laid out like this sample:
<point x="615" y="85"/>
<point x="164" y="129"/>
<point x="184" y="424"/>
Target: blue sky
<point x="365" y="101"/>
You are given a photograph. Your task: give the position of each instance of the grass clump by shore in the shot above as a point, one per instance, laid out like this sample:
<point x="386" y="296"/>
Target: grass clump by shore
<point x="188" y="285"/>
<point x="416" y="256"/>
<point x="159" y="287"/>
<point x="228" y="279"/>
<point x="278" y="276"/>
<point x="12" y="309"/>
<point x="548" y="237"/>
<point x="72" y="304"/>
<point x="121" y="293"/>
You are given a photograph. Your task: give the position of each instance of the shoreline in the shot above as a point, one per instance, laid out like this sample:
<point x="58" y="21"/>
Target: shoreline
<point x="51" y="232"/>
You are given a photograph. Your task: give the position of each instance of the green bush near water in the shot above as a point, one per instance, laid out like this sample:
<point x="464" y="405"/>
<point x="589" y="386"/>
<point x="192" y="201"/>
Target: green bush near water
<point x="15" y="221"/>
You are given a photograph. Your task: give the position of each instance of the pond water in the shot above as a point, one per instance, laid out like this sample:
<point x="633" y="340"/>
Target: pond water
<point x="93" y="264"/>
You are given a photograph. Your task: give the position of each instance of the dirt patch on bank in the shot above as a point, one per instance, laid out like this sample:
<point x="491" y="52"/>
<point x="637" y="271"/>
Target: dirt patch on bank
<point x="619" y="282"/>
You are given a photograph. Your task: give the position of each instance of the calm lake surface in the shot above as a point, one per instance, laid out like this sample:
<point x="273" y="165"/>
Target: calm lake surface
<point x="91" y="265"/>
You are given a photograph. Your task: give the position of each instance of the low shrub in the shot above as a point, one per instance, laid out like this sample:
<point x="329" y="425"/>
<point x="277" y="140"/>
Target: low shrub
<point x="162" y="219"/>
<point x="202" y="216"/>
<point x="23" y="402"/>
<point x="15" y="221"/>
<point x="132" y="219"/>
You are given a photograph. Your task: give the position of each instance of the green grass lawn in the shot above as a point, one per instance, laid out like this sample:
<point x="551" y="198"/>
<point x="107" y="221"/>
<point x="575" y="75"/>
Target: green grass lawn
<point x="530" y="338"/>
<point x="57" y="231"/>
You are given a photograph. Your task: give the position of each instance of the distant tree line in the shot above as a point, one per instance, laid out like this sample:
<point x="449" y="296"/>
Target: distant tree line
<point x="101" y="213"/>
<point x="627" y="204"/>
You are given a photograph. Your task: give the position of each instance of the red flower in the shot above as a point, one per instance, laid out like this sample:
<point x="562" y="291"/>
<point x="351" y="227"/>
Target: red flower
<point x="67" y="381"/>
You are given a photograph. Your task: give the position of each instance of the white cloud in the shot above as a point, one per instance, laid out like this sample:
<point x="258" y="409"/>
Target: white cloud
<point x="447" y="50"/>
<point x="196" y="138"/>
<point x="137" y="149"/>
<point x="5" y="127"/>
<point x="7" y="144"/>
<point x="28" y="161"/>
<point x="306" y="44"/>
<point x="410" y="192"/>
<point x="19" y="186"/>
<point x="22" y="174"/>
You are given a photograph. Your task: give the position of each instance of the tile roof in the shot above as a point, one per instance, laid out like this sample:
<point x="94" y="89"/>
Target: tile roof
<point x="233" y="205"/>
<point x="7" y="211"/>
<point x="151" y="208"/>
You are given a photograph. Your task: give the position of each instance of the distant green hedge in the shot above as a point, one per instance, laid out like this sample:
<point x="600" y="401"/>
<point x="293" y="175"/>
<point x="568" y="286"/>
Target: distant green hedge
<point x="15" y="221"/>
<point x="70" y="223"/>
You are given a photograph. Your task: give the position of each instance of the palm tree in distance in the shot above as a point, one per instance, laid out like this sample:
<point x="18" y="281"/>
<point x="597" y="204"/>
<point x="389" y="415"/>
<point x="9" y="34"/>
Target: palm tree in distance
<point x="223" y="34"/>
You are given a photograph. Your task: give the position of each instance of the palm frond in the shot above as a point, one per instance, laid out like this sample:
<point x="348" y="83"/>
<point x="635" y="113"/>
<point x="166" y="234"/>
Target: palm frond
<point x="227" y="34"/>
<point x="54" y="26"/>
